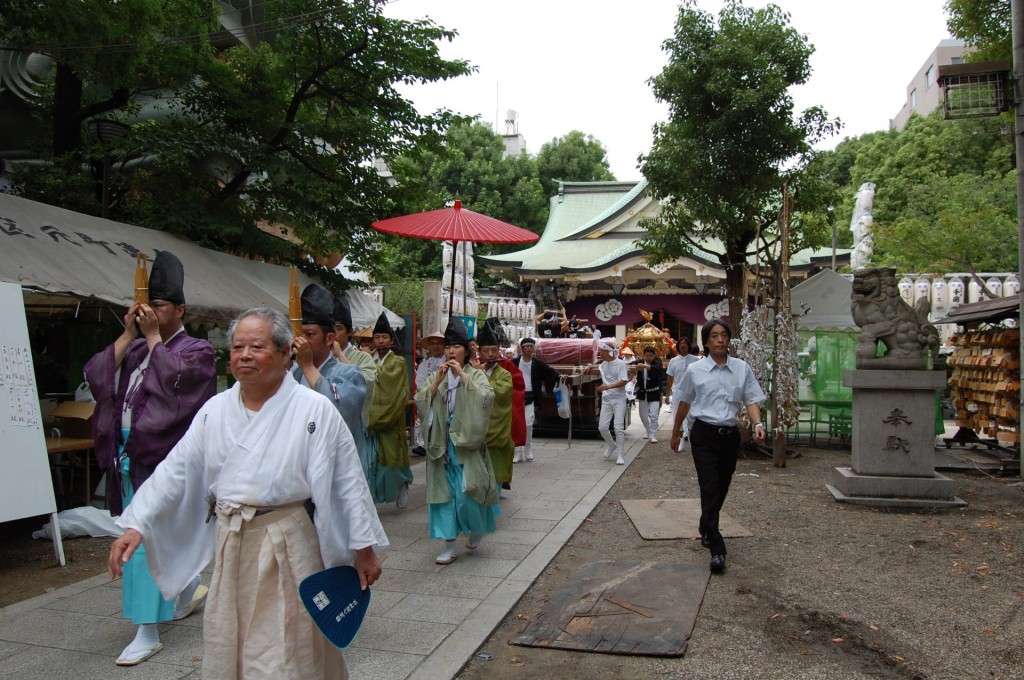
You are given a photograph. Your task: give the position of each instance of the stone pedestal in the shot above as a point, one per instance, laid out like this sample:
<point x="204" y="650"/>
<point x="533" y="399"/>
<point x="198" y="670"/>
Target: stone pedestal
<point x="893" y="439"/>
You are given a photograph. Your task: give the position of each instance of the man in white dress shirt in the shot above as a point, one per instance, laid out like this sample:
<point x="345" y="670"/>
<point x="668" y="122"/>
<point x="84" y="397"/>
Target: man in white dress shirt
<point x="714" y="390"/>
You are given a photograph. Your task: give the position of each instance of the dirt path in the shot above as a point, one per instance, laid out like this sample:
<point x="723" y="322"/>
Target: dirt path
<point x="822" y="590"/>
<point x="28" y="567"/>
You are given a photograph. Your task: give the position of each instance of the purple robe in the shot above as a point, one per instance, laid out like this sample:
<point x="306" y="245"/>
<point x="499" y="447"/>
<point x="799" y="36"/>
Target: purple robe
<point x="181" y="376"/>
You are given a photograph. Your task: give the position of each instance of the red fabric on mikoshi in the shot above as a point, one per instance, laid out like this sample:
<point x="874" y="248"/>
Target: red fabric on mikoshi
<point x="455" y="224"/>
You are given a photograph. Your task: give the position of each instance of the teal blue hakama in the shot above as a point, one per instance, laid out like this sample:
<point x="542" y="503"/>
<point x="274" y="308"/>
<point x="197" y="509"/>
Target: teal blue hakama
<point x="385" y="483"/>
<point x="141" y="600"/>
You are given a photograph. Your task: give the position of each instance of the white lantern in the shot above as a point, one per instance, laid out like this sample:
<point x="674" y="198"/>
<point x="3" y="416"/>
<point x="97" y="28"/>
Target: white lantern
<point x="521" y="310"/>
<point x="503" y="309"/>
<point x="906" y="287"/>
<point x="995" y="286"/>
<point x="531" y="311"/>
<point x="470" y="266"/>
<point x="447" y="253"/>
<point x="956" y="292"/>
<point x="940" y="299"/>
<point x="472" y="306"/>
<point x="444" y="304"/>
<point x="492" y="309"/>
<point x="974" y="291"/>
<point x="459" y="305"/>
<point x="922" y="289"/>
<point x="1011" y="286"/>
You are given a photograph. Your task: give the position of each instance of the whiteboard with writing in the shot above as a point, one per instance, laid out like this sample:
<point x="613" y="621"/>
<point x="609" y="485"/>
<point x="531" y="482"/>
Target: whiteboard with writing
<point x="26" y="489"/>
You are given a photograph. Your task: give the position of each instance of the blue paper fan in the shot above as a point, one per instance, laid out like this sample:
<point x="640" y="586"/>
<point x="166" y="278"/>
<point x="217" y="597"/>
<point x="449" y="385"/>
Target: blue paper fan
<point x="335" y="602"/>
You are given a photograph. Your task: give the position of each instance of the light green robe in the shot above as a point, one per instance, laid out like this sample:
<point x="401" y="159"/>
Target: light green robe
<point x="387" y="411"/>
<point x="468" y="432"/>
<point x="499" y="434"/>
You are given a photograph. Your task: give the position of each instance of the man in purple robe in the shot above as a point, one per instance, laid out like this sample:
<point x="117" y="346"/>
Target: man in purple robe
<point x="148" y="386"/>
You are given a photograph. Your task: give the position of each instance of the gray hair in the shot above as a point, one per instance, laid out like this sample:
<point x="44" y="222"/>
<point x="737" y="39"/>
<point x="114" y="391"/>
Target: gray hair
<point x="280" y="327"/>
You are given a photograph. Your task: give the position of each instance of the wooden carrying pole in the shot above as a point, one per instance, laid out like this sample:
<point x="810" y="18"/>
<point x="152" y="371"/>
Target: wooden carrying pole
<point x="141" y="279"/>
<point x="294" y="302"/>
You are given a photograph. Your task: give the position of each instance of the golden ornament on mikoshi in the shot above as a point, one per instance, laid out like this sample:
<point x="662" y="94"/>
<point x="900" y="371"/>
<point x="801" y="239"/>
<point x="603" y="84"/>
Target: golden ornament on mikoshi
<point x="650" y="335"/>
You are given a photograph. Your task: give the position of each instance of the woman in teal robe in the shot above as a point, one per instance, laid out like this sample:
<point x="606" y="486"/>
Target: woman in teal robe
<point x="462" y="494"/>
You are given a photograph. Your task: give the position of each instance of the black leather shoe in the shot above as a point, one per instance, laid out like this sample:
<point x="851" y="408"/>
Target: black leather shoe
<point x="419" y="451"/>
<point x="705" y="542"/>
<point x="717" y="564"/>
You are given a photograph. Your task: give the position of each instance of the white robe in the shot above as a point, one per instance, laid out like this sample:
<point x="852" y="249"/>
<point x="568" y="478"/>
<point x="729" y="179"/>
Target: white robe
<point x="296" y="447"/>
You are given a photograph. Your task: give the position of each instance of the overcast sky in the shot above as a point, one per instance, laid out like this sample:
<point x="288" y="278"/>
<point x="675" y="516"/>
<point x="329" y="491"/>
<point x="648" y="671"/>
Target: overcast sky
<point x="583" y="64"/>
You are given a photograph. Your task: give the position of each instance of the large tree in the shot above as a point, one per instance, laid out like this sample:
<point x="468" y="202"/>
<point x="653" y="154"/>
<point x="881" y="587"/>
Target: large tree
<point x="732" y="140"/>
<point x="983" y="24"/>
<point x="576" y="157"/>
<point x="945" y="193"/>
<point x="280" y="133"/>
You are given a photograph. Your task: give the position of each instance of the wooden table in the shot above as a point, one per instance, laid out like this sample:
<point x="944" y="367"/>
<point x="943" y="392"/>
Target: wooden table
<point x="56" y="446"/>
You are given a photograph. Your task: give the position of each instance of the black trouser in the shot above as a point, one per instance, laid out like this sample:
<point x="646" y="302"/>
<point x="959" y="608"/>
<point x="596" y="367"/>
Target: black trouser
<point x="715" y="450"/>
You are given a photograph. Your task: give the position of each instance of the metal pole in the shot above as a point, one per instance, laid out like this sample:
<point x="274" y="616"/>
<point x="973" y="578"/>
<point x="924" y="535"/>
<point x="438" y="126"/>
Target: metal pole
<point x="832" y="218"/>
<point x="1017" y="32"/>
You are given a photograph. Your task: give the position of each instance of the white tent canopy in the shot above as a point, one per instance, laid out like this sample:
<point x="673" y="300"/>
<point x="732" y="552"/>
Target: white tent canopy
<point x="822" y="302"/>
<point x="57" y="254"/>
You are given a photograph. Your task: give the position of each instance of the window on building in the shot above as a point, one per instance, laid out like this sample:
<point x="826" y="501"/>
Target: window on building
<point x="929" y="77"/>
<point x="913" y="99"/>
<point x="956" y="60"/>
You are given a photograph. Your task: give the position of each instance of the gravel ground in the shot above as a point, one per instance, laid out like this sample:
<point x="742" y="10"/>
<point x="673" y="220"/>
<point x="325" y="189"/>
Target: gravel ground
<point x="822" y="590"/>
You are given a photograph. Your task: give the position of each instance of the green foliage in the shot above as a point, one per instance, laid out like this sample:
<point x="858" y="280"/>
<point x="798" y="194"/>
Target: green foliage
<point x="984" y="24"/>
<point x="576" y="157"/>
<point x="733" y="139"/>
<point x="946" y="193"/>
<point x="281" y="134"/>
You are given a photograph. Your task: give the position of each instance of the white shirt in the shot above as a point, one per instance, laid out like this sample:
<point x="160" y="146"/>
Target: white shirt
<point x="677" y="367"/>
<point x="612" y="372"/>
<point x="426" y="367"/>
<point x="527" y="368"/>
<point x="717" y="393"/>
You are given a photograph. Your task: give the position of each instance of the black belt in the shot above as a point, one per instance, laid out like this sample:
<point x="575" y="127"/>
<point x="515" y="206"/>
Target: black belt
<point x="720" y="429"/>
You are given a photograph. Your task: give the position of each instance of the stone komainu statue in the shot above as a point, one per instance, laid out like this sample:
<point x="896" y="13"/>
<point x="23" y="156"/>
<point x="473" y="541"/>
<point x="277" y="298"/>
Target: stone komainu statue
<point x="884" y="317"/>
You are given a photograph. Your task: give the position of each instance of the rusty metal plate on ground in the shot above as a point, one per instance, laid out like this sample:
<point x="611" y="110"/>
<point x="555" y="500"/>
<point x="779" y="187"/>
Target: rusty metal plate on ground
<point x="636" y="608"/>
<point x="676" y="518"/>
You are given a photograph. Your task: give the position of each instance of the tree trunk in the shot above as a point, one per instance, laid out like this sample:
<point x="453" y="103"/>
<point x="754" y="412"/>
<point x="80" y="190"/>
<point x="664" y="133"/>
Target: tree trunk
<point x="67" y="103"/>
<point x="736" y="289"/>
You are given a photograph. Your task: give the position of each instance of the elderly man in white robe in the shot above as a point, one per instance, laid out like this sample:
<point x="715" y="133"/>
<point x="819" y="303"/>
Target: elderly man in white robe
<point x="253" y="459"/>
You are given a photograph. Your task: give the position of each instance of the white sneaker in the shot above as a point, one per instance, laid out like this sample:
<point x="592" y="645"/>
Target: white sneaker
<point x="643" y="436"/>
<point x="608" y="453"/>
<point x="654" y="440"/>
<point x="518" y="458"/>
<point x="529" y="458"/>
<point x="621" y="460"/>
<point x="403" y="497"/>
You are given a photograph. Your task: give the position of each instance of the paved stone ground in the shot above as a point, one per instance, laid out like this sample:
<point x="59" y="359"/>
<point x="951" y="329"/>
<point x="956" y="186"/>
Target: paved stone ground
<point x="425" y="620"/>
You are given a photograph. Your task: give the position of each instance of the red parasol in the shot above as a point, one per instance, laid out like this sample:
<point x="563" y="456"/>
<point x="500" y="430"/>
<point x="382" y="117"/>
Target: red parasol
<point x="456" y="225"/>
